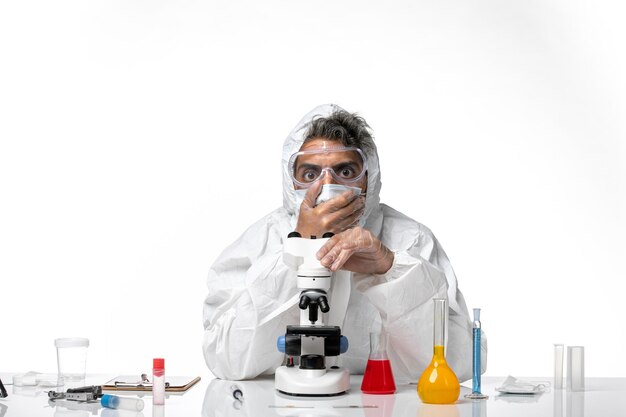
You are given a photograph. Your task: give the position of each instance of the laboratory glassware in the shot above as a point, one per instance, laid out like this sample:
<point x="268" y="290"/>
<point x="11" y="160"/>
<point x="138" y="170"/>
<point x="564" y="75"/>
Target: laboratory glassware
<point x="72" y="357"/>
<point x="576" y="368"/>
<point x="476" y="329"/>
<point x="558" y="366"/>
<point x="438" y="383"/>
<point x="378" y="377"/>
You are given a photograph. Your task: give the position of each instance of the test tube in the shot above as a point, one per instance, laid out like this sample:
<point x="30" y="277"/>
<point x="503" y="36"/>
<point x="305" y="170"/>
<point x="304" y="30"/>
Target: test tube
<point x="476" y="366"/>
<point x="123" y="403"/>
<point x="476" y="353"/>
<point x="576" y="368"/>
<point x="558" y="366"/>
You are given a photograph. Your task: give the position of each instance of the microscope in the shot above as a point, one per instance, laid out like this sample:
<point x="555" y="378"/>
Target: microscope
<point x="313" y="340"/>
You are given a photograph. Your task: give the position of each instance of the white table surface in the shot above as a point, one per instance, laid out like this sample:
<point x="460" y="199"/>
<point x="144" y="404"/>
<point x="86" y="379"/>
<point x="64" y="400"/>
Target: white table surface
<point x="603" y="397"/>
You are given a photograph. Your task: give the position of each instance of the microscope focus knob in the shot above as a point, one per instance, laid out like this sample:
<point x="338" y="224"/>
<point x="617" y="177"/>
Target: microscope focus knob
<point x="280" y="343"/>
<point x="343" y="344"/>
<point x="312" y="362"/>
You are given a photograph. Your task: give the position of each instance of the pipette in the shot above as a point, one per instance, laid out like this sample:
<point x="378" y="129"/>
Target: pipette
<point x="476" y="328"/>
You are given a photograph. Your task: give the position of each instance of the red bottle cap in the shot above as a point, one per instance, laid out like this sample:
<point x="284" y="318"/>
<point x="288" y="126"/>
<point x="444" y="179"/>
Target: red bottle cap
<point x="158" y="363"/>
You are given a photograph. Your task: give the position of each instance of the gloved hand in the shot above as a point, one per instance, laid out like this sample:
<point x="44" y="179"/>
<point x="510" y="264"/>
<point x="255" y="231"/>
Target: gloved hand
<point x="356" y="250"/>
<point x="335" y="215"/>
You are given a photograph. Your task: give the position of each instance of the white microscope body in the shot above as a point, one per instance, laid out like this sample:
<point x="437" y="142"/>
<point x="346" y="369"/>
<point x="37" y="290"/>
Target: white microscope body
<point x="313" y="340"/>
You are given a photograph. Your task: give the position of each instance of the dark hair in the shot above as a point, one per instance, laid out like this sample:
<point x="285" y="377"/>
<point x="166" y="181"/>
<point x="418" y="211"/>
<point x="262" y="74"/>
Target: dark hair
<point x="347" y="128"/>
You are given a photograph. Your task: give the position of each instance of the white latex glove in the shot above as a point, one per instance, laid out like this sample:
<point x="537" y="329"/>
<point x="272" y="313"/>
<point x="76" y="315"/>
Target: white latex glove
<point x="335" y="215"/>
<point x="356" y="250"/>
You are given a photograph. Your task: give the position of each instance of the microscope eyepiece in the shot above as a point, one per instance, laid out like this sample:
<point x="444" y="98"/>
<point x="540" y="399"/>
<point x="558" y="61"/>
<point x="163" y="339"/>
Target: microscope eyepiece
<point x="323" y="302"/>
<point x="304" y="302"/>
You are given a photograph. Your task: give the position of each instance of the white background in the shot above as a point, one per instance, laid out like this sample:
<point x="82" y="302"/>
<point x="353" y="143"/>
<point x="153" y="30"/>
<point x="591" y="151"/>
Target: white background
<point x="139" y="138"/>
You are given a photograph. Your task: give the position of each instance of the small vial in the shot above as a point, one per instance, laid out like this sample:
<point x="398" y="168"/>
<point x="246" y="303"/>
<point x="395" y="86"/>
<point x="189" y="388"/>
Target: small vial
<point x="113" y="401"/>
<point x="158" y="381"/>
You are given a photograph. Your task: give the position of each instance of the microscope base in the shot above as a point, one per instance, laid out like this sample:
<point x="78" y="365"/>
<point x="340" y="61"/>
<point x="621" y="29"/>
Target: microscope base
<point x="296" y="381"/>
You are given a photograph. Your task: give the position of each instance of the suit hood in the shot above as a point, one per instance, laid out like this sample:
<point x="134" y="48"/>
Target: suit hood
<point x="294" y="141"/>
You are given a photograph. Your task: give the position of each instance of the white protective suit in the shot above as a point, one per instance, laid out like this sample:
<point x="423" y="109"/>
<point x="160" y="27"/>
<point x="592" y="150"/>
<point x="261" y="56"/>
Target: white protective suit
<point x="253" y="295"/>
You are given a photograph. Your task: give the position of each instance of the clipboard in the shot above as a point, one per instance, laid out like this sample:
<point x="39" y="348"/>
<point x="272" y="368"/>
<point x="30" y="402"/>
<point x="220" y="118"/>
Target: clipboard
<point x="141" y="383"/>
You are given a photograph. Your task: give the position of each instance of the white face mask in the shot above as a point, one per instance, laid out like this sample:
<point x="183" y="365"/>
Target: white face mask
<point x="328" y="192"/>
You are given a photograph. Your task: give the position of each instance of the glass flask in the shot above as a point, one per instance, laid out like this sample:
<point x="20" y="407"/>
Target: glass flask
<point x="378" y="377"/>
<point x="438" y="383"/>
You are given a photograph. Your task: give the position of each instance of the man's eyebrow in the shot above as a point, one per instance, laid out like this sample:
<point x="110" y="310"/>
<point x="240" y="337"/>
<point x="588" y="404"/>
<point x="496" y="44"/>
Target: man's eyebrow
<point x="305" y="165"/>
<point x="354" y="165"/>
<point x="346" y="164"/>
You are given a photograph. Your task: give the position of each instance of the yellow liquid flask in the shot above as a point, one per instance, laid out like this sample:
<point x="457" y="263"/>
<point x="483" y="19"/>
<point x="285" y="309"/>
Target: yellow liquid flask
<point x="438" y="383"/>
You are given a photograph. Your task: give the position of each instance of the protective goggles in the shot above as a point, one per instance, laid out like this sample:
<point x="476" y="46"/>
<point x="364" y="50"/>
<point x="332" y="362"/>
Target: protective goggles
<point x="346" y="165"/>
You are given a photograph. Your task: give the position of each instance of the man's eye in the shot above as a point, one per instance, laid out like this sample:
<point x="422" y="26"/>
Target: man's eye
<point x="346" y="173"/>
<point x="310" y="175"/>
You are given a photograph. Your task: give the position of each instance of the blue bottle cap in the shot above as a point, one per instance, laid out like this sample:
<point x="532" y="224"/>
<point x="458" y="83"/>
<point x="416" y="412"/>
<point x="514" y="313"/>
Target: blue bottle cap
<point x="109" y="401"/>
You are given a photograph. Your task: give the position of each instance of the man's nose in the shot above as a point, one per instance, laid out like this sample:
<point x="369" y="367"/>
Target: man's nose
<point x="327" y="178"/>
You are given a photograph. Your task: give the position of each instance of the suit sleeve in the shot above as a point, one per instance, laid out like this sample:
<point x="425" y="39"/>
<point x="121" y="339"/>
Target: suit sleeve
<point x="403" y="296"/>
<point x="246" y="308"/>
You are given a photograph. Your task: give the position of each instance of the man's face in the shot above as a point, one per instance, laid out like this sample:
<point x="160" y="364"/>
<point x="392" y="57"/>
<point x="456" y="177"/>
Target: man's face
<point x="330" y="163"/>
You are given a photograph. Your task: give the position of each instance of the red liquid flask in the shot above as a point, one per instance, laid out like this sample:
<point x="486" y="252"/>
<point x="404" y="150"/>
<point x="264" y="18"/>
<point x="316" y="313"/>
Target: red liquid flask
<point x="378" y="377"/>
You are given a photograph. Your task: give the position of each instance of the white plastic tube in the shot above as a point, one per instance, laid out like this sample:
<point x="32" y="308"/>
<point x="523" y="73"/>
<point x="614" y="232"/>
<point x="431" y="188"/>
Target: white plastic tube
<point x="158" y="381"/>
<point x="576" y="368"/>
<point x="558" y="366"/>
<point x="123" y="403"/>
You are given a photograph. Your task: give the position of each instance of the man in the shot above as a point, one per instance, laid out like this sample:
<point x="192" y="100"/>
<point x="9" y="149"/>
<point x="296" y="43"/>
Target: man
<point x="396" y="265"/>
